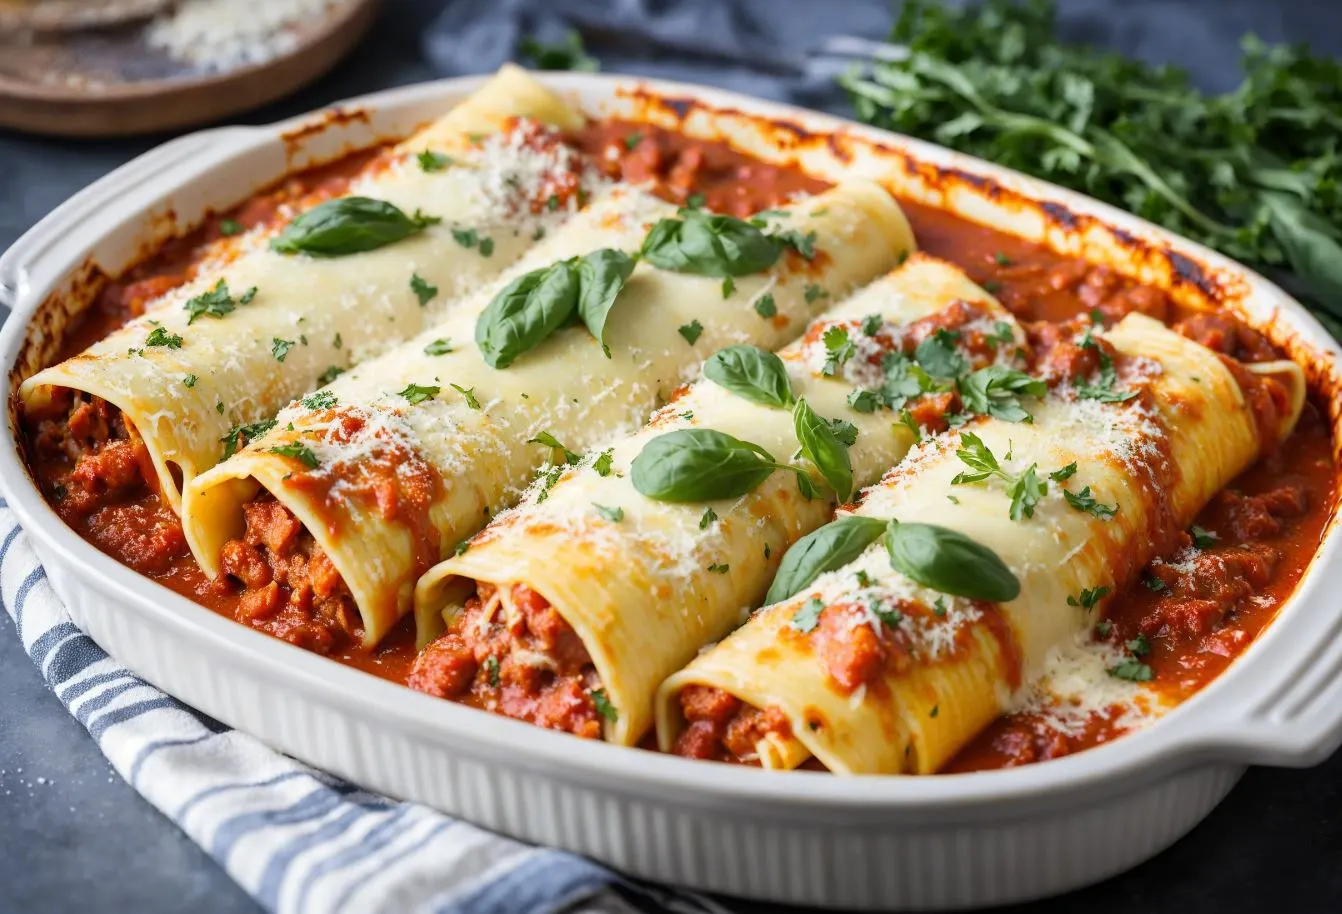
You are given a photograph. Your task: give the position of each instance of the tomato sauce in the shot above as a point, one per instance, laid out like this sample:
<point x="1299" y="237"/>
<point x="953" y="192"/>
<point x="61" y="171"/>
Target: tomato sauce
<point x="1268" y="523"/>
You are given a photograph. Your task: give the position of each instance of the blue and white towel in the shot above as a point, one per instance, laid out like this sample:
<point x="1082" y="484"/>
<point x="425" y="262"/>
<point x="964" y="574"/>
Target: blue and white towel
<point x="296" y="839"/>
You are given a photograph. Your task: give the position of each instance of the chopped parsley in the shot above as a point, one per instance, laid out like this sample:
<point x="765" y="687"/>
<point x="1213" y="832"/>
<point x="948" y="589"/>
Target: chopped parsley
<point x="838" y="349"/>
<point x="996" y="391"/>
<point x="814" y="293"/>
<point x="468" y="394"/>
<point x="765" y="306"/>
<point x="1103" y="628"/>
<point x="1002" y="259"/>
<point x="1089" y="597"/>
<point x="872" y="323"/>
<point x="614" y="515"/>
<point x="161" y="337"/>
<point x="1202" y="537"/>
<point x="215" y="303"/>
<point x="430" y="161"/>
<point x="719" y="568"/>
<point x="906" y="419"/>
<point x="461" y="547"/>
<point x="338" y="342"/>
<point x="329" y="375"/>
<point x="807" y="616"/>
<point x="423" y="291"/>
<point x="1026" y="489"/>
<point x="939" y="357"/>
<point x="548" y="440"/>
<point x="603" y="705"/>
<point x="707" y="518"/>
<point x="322" y="399"/>
<point x="415" y="393"/>
<point x="492" y="670"/>
<point x="230" y="227"/>
<point x="1155" y="584"/>
<point x="632" y="140"/>
<point x="602" y="463"/>
<point x="934" y="711"/>
<point x="691" y="331"/>
<point x="1103" y="389"/>
<point x="189" y="380"/>
<point x="863" y="579"/>
<point x="439" y="347"/>
<point x="728" y="287"/>
<point x="864" y="401"/>
<point x="1084" y="501"/>
<point x="280" y="348"/>
<point x="300" y="452"/>
<point x="1063" y="474"/>
<point x="1139" y="646"/>
<point x="939" y="606"/>
<point x="1132" y="671"/>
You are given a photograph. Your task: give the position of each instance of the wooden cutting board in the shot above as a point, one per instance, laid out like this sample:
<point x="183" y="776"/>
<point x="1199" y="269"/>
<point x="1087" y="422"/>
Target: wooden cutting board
<point x="104" y="78"/>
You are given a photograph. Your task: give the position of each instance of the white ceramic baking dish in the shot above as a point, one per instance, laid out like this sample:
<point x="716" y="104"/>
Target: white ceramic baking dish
<point x="801" y="837"/>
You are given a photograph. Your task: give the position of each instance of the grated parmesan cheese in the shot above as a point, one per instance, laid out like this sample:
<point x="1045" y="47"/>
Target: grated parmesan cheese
<point x="1075" y="687"/>
<point x="221" y="35"/>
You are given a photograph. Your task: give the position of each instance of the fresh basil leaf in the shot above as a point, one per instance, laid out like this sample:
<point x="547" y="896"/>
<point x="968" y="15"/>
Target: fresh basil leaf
<point x="832" y="546"/>
<point x="822" y="447"/>
<point x="699" y="464"/>
<point x="348" y="225"/>
<point x="708" y="244"/>
<point x="947" y="561"/>
<point x="525" y="313"/>
<point x="752" y="373"/>
<point x="601" y="276"/>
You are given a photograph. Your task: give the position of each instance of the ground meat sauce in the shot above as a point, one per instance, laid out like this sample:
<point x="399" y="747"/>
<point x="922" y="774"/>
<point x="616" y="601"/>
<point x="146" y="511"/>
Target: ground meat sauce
<point x="528" y="664"/>
<point x="1211" y="602"/>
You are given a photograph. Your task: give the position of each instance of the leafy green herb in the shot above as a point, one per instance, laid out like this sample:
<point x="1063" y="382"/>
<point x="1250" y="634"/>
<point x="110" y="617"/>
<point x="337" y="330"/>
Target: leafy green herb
<point x="826" y="549"/>
<point x="1202" y="537"/>
<point x="695" y="201"/>
<point x="701" y="464"/>
<point x="568" y="54"/>
<point x="632" y="140"/>
<point x="864" y="401"/>
<point x="1252" y="171"/>
<point x="1064" y="474"/>
<point x="438" y="347"/>
<point x="486" y="247"/>
<point x="751" y="373"/>
<point x="462" y="547"/>
<point x="708" y="517"/>
<point x="1025" y="493"/>
<point x="161" y="337"/>
<point x="807" y="616"/>
<point x="321" y="399"/>
<point x="329" y="375"/>
<point x="230" y="227"/>
<point x="906" y="419"/>
<point x="996" y="391"/>
<point x="821" y="445"/>
<point x="300" y="452"/>
<point x="947" y="561"/>
<point x="802" y="244"/>
<point x="939" y="357"/>
<point x="1103" y="628"/>
<point x="1139" y="646"/>
<point x="602" y="464"/>
<point x="492" y="670"/>
<point x="1084" y="501"/>
<point x="838" y="349"/>
<point x="603" y="705"/>
<point x="536" y="304"/>
<point x="548" y="440"/>
<point x="708" y="244"/>
<point x="1025" y="489"/>
<point x="239" y="436"/>
<point x="614" y="515"/>
<point x="1088" y="597"/>
<point x="1132" y="671"/>
<point x="280" y="348"/>
<point x="728" y="287"/>
<point x="189" y="380"/>
<point x="467" y="394"/>
<point x="415" y="393"/>
<point x="216" y="303"/>
<point x="719" y="568"/>
<point x="430" y="161"/>
<point x="348" y="225"/>
<point x="423" y="291"/>
<point x="1155" y="584"/>
<point x="691" y="331"/>
<point x="765" y="306"/>
<point x="813" y="293"/>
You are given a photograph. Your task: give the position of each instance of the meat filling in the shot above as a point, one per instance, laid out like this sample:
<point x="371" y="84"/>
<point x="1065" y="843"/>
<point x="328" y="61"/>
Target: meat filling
<point x="106" y="455"/>
<point x="289" y="587"/>
<point x="722" y="728"/>
<point x="528" y="664"/>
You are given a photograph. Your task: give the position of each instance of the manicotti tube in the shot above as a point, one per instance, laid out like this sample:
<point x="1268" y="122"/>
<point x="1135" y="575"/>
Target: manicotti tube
<point x="402" y="458"/>
<point x="644" y="583"/>
<point x="871" y="672"/>
<point x="258" y="326"/>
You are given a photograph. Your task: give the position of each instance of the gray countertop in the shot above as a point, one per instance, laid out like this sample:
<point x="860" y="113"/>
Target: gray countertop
<point x="71" y="831"/>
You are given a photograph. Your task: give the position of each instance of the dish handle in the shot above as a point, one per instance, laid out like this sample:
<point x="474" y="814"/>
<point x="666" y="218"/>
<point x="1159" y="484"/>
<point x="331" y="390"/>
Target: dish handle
<point x="97" y="210"/>
<point x="1292" y="718"/>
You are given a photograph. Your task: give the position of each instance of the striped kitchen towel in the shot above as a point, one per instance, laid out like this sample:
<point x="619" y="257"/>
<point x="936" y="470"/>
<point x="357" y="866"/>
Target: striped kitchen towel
<point x="296" y="839"/>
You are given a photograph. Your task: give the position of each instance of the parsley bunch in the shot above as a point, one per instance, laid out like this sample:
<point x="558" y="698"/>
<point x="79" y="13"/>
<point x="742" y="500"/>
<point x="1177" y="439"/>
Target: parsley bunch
<point x="1255" y="173"/>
